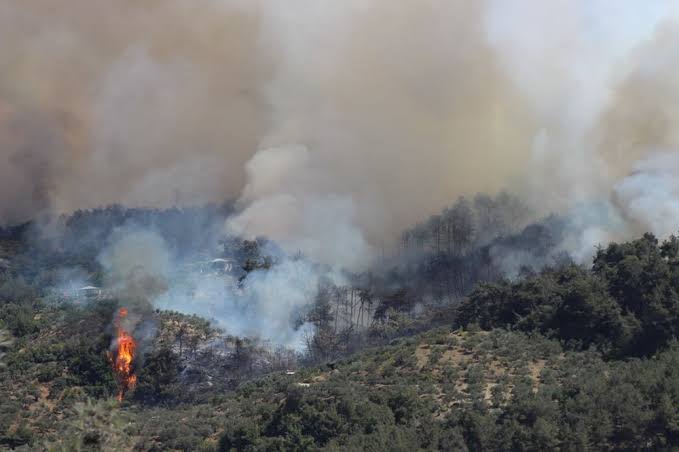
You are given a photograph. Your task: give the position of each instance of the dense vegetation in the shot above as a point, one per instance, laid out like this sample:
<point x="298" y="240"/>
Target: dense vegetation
<point x="627" y="304"/>
<point x="554" y="357"/>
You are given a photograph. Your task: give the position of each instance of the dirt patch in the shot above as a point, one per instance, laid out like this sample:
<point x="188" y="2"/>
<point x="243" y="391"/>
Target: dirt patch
<point x="456" y="356"/>
<point x="319" y="378"/>
<point x="422" y="355"/>
<point x="535" y="369"/>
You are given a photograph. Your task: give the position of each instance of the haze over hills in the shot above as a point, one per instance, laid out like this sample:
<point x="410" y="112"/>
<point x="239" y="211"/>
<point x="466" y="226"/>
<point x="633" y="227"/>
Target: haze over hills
<point x="348" y="121"/>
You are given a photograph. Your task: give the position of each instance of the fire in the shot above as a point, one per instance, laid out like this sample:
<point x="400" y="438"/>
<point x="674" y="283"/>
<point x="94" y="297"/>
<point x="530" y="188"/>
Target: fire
<point x="122" y="357"/>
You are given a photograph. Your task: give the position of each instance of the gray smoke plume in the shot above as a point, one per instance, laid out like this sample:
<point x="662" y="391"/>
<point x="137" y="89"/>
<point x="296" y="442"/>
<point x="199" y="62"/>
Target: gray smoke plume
<point x="137" y="264"/>
<point x="285" y="200"/>
<point x="649" y="197"/>
<point x="336" y="124"/>
<point x="165" y="102"/>
<point x="144" y="104"/>
<point x="142" y="273"/>
<point x="264" y="305"/>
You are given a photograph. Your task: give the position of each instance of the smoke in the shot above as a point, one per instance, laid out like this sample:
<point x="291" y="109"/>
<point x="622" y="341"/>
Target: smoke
<point x="284" y="199"/>
<point x="143" y="274"/>
<point x="599" y="83"/>
<point x="649" y="197"/>
<point x="146" y="104"/>
<point x="137" y="264"/>
<point x="336" y="124"/>
<point x="642" y="115"/>
<point x="165" y="102"/>
<point x="394" y="114"/>
<point x="265" y="305"/>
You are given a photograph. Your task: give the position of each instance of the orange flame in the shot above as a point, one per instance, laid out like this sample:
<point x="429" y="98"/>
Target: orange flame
<point x="121" y="360"/>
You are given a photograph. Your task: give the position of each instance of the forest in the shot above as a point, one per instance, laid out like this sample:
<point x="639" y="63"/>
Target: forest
<point x="444" y="344"/>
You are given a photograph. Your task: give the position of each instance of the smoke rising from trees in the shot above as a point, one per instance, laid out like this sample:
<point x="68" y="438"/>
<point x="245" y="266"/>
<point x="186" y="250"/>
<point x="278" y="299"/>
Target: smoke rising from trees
<point x="350" y="120"/>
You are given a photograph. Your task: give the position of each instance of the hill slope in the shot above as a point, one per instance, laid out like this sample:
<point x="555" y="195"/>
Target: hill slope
<point x="441" y="390"/>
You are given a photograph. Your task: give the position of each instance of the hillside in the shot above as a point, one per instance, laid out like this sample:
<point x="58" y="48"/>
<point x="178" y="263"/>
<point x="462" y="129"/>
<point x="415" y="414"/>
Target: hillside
<point x="441" y="390"/>
<point x="565" y="358"/>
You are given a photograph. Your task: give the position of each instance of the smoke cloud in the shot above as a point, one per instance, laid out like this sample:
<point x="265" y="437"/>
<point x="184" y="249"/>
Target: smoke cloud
<point x="143" y="274"/>
<point x="335" y="124"/>
<point x="649" y="197"/>
<point x="137" y="264"/>
<point x="265" y="305"/>
<point x="144" y="104"/>
<point x="284" y="199"/>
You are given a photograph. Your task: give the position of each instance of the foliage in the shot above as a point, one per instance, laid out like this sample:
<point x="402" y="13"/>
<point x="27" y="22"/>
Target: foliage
<point x="566" y="358"/>
<point x="628" y="303"/>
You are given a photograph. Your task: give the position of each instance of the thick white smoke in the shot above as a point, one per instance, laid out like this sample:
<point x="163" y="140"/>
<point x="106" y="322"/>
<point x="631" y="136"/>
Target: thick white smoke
<point x="336" y="124"/>
<point x="141" y="271"/>
<point x="137" y="263"/>
<point x="649" y="197"/>
<point x="265" y="306"/>
<point x="288" y="198"/>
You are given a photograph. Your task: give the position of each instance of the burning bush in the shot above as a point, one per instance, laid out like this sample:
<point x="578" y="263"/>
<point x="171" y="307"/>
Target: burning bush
<point x="122" y="356"/>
